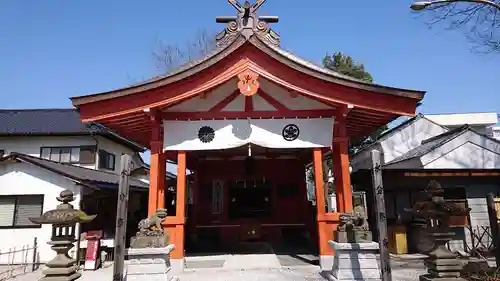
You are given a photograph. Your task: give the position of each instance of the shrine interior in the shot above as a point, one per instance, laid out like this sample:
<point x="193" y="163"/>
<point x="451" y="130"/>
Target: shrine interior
<point x="249" y="194"/>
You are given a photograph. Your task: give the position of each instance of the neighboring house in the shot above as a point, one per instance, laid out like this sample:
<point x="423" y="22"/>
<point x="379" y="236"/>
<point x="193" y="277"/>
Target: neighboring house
<point x="480" y="122"/>
<point x="58" y="135"/>
<point x="461" y="157"/>
<point x="397" y="141"/>
<point x="30" y="185"/>
<point x="45" y="151"/>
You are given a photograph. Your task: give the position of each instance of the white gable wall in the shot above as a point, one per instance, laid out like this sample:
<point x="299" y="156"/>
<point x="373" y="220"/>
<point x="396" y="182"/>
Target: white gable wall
<point x="399" y="142"/>
<point x="202" y="103"/>
<point x="409" y="138"/>
<point x="467" y="151"/>
<point x="25" y="179"/>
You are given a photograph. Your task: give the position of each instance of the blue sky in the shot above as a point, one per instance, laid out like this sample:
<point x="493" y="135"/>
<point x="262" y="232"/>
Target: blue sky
<point x="51" y="50"/>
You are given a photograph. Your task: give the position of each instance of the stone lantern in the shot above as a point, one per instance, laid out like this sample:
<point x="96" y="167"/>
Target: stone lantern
<point x="442" y="264"/>
<point x="63" y="219"/>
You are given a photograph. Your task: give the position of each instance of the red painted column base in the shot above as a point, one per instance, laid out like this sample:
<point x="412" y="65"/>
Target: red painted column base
<point x="175" y="229"/>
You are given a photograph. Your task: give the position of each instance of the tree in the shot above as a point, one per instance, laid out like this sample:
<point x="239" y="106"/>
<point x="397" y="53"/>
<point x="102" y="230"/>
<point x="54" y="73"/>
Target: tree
<point x="479" y="22"/>
<point x="346" y="65"/>
<point x="170" y="56"/>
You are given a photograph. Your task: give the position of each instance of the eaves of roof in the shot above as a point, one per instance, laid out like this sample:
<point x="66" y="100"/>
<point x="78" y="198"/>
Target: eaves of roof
<point x="80" y="175"/>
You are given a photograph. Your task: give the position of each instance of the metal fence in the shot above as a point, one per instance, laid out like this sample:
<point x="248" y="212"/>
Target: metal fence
<point x="17" y="261"/>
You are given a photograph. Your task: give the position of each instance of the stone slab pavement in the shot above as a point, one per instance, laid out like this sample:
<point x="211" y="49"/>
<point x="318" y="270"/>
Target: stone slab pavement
<point x="401" y="272"/>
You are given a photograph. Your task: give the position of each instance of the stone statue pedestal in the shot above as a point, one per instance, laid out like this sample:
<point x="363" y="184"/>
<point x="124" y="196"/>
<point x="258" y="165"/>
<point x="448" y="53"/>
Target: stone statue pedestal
<point x="151" y="264"/>
<point x="353" y="236"/>
<point x="355" y="262"/>
<point x="149" y="241"/>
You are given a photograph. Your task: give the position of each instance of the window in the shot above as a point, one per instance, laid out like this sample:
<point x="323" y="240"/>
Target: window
<point x="76" y="155"/>
<point x="15" y="211"/>
<point x="106" y="160"/>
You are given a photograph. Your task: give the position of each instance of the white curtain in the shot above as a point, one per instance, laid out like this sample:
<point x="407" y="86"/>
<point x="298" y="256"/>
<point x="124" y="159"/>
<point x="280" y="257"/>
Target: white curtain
<point x="224" y="134"/>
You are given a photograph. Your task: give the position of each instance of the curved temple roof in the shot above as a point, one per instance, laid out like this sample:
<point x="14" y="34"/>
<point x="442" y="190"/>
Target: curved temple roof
<point x="248" y="43"/>
<point x="278" y="53"/>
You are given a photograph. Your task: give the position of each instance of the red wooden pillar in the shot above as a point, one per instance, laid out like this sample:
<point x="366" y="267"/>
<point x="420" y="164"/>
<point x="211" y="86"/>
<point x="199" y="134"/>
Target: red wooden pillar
<point x="157" y="171"/>
<point x="340" y="163"/>
<point x="325" y="231"/>
<point x="175" y="225"/>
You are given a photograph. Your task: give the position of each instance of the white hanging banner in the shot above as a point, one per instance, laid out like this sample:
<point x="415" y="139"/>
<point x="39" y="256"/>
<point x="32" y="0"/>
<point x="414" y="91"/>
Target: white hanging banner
<point x="224" y="134"/>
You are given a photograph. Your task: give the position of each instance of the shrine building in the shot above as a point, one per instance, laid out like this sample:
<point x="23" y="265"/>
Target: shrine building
<point x="245" y="120"/>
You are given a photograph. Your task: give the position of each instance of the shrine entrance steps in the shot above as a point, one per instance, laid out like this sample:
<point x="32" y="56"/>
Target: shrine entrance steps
<point x="303" y="273"/>
<point x="255" y="255"/>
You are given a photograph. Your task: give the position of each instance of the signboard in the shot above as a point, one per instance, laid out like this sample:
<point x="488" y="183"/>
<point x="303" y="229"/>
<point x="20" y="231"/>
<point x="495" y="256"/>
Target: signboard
<point x="92" y="258"/>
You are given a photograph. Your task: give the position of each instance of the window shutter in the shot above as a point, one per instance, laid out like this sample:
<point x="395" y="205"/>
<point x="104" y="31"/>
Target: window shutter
<point x="28" y="207"/>
<point x="7" y="206"/>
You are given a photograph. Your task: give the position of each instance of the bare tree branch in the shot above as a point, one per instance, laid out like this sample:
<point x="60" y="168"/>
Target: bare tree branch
<point x="479" y="22"/>
<point x="170" y="56"/>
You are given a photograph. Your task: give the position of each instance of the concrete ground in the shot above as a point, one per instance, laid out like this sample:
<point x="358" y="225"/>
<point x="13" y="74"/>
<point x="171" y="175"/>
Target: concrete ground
<point x="238" y="268"/>
<point x="299" y="273"/>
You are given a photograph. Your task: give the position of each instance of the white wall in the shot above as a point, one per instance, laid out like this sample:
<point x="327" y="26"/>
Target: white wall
<point x="399" y="142"/>
<point x="409" y="138"/>
<point x="31" y="145"/>
<point x="25" y="179"/>
<point x="481" y="119"/>
<point x="467" y="151"/>
<point x="116" y="149"/>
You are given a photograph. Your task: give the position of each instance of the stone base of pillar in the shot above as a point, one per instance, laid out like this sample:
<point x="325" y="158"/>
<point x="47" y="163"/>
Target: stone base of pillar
<point x="355" y="262"/>
<point x="326" y="263"/>
<point x="177" y="266"/>
<point x="151" y="264"/>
